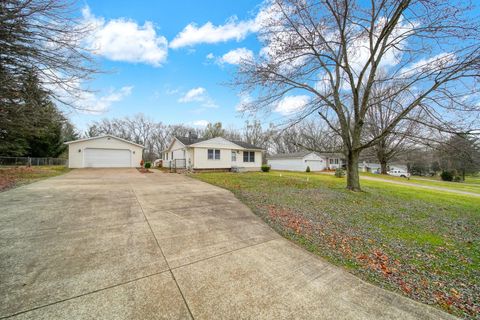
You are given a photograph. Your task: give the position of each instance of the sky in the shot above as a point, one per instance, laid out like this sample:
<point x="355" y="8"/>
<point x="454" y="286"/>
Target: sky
<point x="170" y="60"/>
<point x="173" y="61"/>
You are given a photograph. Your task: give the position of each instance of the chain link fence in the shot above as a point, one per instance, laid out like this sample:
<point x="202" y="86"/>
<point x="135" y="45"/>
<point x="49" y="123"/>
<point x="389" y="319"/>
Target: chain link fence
<point x="29" y="161"/>
<point x="177" y="164"/>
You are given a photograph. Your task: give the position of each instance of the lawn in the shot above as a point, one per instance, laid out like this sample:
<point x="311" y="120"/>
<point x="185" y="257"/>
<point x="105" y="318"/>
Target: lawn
<point x="11" y="177"/>
<point x="469" y="186"/>
<point x="424" y="244"/>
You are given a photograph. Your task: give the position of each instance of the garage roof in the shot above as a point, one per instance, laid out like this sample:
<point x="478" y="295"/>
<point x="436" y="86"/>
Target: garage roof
<point x="302" y="154"/>
<point x="105" y="136"/>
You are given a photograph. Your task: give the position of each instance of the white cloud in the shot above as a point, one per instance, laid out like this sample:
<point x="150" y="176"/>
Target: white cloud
<point x="125" y="40"/>
<point x="95" y="104"/>
<point x="236" y="56"/>
<point x="291" y="104"/>
<point x="233" y="29"/>
<point x="200" y="123"/>
<point x="245" y="100"/>
<point x="428" y="64"/>
<point x="198" y="94"/>
<point x="210" y="56"/>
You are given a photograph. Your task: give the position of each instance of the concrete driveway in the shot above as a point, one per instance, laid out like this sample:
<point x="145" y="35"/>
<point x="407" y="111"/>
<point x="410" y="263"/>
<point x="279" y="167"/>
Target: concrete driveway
<point x="117" y="244"/>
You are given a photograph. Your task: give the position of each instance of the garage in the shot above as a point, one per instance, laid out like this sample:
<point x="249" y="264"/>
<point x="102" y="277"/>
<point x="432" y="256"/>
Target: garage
<point x="104" y="152"/>
<point x="299" y="161"/>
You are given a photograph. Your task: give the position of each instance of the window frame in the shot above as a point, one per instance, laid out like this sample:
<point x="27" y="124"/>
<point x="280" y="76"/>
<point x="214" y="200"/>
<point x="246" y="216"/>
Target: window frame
<point x="214" y="153"/>
<point x="234" y="156"/>
<point x="249" y="156"/>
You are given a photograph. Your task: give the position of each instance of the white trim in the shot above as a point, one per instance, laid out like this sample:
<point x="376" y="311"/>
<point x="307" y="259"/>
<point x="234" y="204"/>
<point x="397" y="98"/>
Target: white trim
<point x="104" y="136"/>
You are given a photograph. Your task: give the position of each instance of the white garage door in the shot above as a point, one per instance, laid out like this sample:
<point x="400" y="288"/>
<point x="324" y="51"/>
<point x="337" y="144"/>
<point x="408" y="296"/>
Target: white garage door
<point x="315" y="165"/>
<point x="107" y="158"/>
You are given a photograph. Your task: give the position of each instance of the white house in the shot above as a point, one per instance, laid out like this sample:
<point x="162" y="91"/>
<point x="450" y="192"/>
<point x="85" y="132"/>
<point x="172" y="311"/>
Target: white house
<point x="104" y="152"/>
<point x="212" y="154"/>
<point x="299" y="161"/>
<point x="376" y="167"/>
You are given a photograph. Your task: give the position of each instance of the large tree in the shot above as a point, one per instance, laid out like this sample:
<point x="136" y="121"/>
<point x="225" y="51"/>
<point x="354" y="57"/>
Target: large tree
<point x="33" y="126"/>
<point x="329" y="55"/>
<point x="44" y="36"/>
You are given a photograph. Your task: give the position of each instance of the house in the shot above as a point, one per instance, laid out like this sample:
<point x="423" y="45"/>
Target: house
<point x="377" y="168"/>
<point x="104" y="152"/>
<point x="212" y="154"/>
<point x="299" y="161"/>
<point x="369" y="167"/>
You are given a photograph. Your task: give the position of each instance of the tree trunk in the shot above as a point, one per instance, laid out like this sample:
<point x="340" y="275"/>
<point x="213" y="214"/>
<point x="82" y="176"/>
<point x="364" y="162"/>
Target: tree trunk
<point x="383" y="166"/>
<point x="353" y="179"/>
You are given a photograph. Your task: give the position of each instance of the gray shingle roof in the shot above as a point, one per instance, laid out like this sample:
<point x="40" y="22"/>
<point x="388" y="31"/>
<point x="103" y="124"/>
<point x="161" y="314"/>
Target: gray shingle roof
<point x="300" y="154"/>
<point x="246" y="145"/>
<point x="189" y="141"/>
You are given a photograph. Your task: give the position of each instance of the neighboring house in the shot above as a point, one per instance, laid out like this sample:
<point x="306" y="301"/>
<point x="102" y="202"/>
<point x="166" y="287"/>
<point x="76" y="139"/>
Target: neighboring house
<point x="376" y="167"/>
<point x="212" y="154"/>
<point x="299" y="161"/>
<point x="369" y="167"/>
<point x="104" y="152"/>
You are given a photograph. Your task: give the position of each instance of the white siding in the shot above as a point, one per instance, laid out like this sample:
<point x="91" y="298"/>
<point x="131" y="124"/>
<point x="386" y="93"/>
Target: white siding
<point x="76" y="150"/>
<point x="201" y="161"/>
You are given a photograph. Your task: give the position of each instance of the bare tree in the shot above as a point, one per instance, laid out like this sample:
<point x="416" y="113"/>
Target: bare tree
<point x="43" y="36"/>
<point x="332" y="51"/>
<point x="253" y="133"/>
<point x="384" y="107"/>
<point x="213" y="130"/>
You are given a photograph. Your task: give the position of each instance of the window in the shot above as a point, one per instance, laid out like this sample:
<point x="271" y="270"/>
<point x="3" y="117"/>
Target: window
<point x="213" y="154"/>
<point x="336" y="161"/>
<point x="248" y="156"/>
<point x="234" y="156"/>
<point x="331" y="161"/>
<point x="172" y="156"/>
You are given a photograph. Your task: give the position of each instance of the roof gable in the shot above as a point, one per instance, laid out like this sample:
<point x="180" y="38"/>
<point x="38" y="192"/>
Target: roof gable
<point x="104" y="136"/>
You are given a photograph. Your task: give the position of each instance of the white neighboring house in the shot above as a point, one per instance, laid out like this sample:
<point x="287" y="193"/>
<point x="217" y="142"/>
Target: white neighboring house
<point x="299" y="161"/>
<point x="376" y="167"/>
<point x="104" y="152"/>
<point x="212" y="154"/>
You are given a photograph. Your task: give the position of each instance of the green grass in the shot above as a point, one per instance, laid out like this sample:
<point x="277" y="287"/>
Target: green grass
<point x="11" y="177"/>
<point x="468" y="186"/>
<point x="422" y="243"/>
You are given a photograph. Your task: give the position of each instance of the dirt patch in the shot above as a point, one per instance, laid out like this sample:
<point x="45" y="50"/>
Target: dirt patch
<point x="11" y="177"/>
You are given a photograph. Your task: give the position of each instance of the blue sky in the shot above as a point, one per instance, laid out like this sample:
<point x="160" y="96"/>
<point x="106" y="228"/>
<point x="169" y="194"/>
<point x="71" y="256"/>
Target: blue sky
<point x="154" y="68"/>
<point x="172" y="60"/>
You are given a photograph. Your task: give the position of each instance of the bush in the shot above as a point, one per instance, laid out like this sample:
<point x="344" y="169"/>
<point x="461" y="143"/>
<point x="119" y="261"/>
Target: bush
<point x="265" y="168"/>
<point x="148" y="165"/>
<point x="308" y="169"/>
<point x="446" y="175"/>
<point x="339" y="173"/>
<point x="457" y="179"/>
